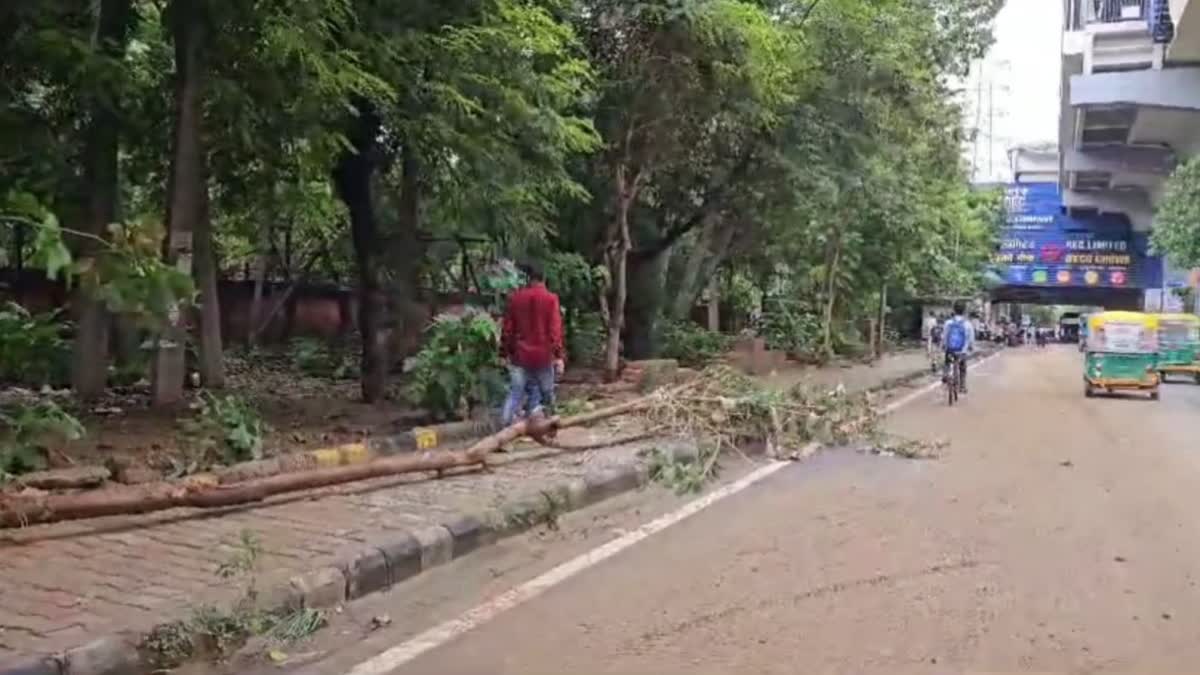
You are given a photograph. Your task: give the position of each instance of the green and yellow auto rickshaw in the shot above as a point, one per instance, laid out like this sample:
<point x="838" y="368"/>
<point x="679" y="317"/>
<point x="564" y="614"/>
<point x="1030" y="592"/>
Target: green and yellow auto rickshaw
<point x="1121" y="353"/>
<point x="1179" y="346"/>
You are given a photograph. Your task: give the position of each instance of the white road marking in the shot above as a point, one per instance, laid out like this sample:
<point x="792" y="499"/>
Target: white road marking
<point x="473" y="618"/>
<point x="408" y="651"/>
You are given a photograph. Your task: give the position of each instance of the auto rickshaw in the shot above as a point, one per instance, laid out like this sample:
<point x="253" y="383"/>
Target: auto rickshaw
<point x="1121" y="353"/>
<point x="1179" y="346"/>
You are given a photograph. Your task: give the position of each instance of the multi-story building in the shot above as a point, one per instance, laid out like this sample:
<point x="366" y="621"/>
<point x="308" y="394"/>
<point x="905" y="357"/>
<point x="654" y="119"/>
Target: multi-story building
<point x="1130" y="106"/>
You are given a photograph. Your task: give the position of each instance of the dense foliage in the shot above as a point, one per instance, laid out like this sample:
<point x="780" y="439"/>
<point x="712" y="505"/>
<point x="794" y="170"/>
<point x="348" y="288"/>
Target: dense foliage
<point x="33" y="351"/>
<point x="25" y="429"/>
<point x="1177" y="221"/>
<point x="807" y="149"/>
<point x="226" y="430"/>
<point x="459" y="366"/>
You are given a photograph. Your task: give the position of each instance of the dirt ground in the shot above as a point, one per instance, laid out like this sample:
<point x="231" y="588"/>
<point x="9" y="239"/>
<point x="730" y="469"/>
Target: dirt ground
<point x="302" y="411"/>
<point x="306" y="412"/>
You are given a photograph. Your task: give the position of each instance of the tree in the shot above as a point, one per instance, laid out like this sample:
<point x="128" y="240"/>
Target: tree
<point x="189" y="239"/>
<point x="481" y="128"/>
<point x="229" y="58"/>
<point x="102" y="187"/>
<point x="681" y="84"/>
<point x="1177" y="220"/>
<point x="810" y="146"/>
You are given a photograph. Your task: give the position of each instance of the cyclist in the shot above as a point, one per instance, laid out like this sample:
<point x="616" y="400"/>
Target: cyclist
<point x="958" y="338"/>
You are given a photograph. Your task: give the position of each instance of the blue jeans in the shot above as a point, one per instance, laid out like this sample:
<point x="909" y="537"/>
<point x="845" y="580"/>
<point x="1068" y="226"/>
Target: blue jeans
<point x="532" y="386"/>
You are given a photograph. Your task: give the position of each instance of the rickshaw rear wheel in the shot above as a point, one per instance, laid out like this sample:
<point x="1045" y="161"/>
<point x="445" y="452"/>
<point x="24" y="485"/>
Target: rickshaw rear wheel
<point x="1154" y="395"/>
<point x="1197" y="377"/>
<point x="1088" y="391"/>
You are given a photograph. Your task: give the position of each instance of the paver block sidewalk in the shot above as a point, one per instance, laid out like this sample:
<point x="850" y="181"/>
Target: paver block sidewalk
<point x="67" y="583"/>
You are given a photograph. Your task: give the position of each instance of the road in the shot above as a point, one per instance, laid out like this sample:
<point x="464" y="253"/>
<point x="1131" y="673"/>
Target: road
<point x="1055" y="534"/>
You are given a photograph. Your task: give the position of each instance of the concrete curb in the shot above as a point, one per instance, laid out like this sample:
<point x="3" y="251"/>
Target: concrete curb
<point x="383" y="563"/>
<point x="413" y="440"/>
<point x="376" y="566"/>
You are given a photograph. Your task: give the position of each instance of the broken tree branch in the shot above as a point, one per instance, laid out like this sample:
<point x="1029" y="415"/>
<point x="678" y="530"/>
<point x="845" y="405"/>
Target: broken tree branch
<point x="19" y="510"/>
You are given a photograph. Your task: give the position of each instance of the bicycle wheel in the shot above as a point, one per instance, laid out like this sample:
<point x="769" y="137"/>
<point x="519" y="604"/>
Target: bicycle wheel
<point x="951" y="387"/>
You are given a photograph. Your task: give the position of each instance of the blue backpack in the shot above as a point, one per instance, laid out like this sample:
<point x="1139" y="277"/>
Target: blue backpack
<point x="956" y="336"/>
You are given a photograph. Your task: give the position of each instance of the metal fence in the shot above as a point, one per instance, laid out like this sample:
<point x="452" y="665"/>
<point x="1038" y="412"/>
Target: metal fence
<point x="1155" y="13"/>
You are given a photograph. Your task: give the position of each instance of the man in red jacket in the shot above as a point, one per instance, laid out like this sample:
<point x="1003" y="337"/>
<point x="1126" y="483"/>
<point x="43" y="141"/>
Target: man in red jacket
<point x="532" y="343"/>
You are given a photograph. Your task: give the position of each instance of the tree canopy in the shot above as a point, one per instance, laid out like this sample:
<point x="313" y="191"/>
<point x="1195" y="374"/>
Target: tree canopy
<point x="658" y="150"/>
<point x="1177" y="220"/>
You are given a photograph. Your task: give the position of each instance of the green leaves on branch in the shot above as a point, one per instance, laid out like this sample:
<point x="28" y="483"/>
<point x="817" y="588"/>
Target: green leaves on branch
<point x="33" y="349"/>
<point x="130" y="277"/>
<point x="25" y="429"/>
<point x="459" y="366"/>
<point x="1177" y="221"/>
<point x="227" y="429"/>
<point x="124" y="270"/>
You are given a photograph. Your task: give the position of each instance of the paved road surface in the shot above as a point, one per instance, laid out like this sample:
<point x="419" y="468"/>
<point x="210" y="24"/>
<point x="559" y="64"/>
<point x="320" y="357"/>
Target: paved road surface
<point x="1055" y="534"/>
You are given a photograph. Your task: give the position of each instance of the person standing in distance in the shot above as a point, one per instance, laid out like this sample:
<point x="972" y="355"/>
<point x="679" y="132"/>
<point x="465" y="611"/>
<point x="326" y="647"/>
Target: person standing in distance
<point x="927" y="327"/>
<point x="531" y="341"/>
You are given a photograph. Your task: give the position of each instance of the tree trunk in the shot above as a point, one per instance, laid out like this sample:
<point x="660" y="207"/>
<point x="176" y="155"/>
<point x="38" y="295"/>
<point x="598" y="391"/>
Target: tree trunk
<point x="186" y="191"/>
<point x="719" y="253"/>
<point x="881" y="337"/>
<point x="714" y="303"/>
<point x="616" y="255"/>
<point x="711" y="250"/>
<point x="261" y="262"/>
<point x="647" y="288"/>
<point x="352" y="178"/>
<point x="89" y="368"/>
<point x="684" y="298"/>
<point x="831" y="265"/>
<point x="204" y="271"/>
<point x="409" y="250"/>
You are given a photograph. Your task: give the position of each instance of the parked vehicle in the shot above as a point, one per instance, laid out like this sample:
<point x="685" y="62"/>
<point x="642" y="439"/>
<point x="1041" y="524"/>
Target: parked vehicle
<point x="1068" y="327"/>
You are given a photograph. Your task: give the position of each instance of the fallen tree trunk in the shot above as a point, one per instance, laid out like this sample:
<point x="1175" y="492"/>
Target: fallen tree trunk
<point x="65" y="479"/>
<point x="205" y="492"/>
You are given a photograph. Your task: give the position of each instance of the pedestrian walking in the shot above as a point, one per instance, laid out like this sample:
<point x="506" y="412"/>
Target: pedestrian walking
<point x="531" y="341"/>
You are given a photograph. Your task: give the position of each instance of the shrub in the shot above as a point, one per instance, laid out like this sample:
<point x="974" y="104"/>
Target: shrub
<point x="23" y="429"/>
<point x="316" y="358"/>
<point x="585" y="338"/>
<point x="227" y="430"/>
<point x="690" y="344"/>
<point x="459" y="366"/>
<point x="796" y="333"/>
<point x="33" y="351"/>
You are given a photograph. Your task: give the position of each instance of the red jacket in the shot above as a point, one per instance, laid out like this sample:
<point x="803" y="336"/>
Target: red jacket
<point x="532" y="336"/>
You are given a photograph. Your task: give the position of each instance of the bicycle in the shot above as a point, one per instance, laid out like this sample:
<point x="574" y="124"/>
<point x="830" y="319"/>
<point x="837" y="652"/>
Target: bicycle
<point x="952" y="377"/>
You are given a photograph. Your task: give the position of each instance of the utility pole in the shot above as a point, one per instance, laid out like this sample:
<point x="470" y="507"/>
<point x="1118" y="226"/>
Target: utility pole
<point x="976" y="127"/>
<point x="991" y="126"/>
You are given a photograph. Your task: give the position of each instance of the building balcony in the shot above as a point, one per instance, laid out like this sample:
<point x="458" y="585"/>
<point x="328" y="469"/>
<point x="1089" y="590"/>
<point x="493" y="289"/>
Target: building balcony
<point x="1114" y="35"/>
<point x="1130" y="110"/>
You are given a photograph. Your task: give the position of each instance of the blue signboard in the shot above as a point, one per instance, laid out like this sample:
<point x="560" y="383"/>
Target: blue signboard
<point x="1042" y="246"/>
